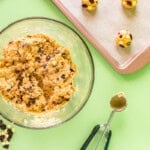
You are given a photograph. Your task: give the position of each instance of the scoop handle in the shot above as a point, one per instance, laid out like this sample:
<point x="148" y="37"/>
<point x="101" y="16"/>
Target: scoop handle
<point x="90" y="137"/>
<point x="105" y="129"/>
<point x="108" y="140"/>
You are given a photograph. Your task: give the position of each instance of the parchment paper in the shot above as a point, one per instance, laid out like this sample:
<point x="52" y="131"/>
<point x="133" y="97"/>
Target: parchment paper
<point x="110" y="17"/>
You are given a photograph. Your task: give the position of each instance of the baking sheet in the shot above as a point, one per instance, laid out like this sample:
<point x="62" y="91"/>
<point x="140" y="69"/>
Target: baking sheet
<point x="101" y="27"/>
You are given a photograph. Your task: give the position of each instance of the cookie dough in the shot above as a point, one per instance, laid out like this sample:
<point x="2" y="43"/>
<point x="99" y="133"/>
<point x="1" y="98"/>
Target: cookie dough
<point x="129" y="4"/>
<point x="36" y="74"/>
<point x="90" y="5"/>
<point x="124" y="38"/>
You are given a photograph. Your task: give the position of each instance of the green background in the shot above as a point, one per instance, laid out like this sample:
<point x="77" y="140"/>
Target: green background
<point x="131" y="128"/>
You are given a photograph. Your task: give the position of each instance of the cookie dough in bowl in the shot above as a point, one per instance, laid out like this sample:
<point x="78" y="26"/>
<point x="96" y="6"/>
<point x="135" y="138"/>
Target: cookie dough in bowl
<point x="46" y="72"/>
<point x="36" y="74"/>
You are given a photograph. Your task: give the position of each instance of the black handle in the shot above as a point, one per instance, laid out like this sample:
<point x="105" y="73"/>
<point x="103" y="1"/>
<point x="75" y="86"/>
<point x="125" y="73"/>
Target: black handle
<point x="108" y="140"/>
<point x="90" y="137"/>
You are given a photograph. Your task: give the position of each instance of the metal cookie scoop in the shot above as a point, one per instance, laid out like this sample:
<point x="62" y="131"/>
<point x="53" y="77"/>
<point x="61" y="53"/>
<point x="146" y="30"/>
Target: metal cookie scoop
<point x="118" y="103"/>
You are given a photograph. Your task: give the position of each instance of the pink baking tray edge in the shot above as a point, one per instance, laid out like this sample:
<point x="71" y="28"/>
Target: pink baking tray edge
<point x="132" y="65"/>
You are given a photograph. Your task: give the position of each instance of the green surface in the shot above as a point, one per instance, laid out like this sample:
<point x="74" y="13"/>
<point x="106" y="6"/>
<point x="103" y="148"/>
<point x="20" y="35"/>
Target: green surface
<point x="131" y="128"/>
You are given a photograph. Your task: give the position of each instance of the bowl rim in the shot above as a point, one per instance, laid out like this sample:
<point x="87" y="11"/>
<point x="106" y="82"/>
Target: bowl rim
<point x="92" y="64"/>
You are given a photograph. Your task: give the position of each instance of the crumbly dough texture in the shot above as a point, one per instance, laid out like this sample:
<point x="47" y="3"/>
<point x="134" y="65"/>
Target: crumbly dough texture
<point x="36" y="73"/>
<point x="124" y="38"/>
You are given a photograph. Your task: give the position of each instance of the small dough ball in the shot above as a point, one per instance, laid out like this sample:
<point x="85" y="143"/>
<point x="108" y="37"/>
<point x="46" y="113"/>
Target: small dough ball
<point x="90" y="5"/>
<point x="129" y="4"/>
<point x="124" y="38"/>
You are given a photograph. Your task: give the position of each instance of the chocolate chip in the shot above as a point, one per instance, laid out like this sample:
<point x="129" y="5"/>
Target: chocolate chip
<point x="71" y="70"/>
<point x="84" y="5"/>
<point x="120" y="36"/>
<point x="1" y="122"/>
<point x="43" y="109"/>
<point x="56" y="70"/>
<point x="28" y="104"/>
<point x="63" y="76"/>
<point x="38" y="59"/>
<point x="32" y="100"/>
<point x="6" y="146"/>
<point x="10" y="132"/>
<point x="131" y="36"/>
<point x="63" y="55"/>
<point x="121" y="45"/>
<point x="40" y="50"/>
<point x="17" y="71"/>
<point x="91" y="1"/>
<point x="9" y="137"/>
<point x="67" y="99"/>
<point x="29" y="36"/>
<point x="10" y="42"/>
<point x="44" y="66"/>
<point x="47" y="41"/>
<point x="48" y="58"/>
<point x="129" y="3"/>
<point x="3" y="126"/>
<point x="62" y="63"/>
<point x="2" y="137"/>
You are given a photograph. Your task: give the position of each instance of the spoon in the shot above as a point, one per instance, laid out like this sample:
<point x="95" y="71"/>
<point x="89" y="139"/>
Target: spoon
<point x="118" y="103"/>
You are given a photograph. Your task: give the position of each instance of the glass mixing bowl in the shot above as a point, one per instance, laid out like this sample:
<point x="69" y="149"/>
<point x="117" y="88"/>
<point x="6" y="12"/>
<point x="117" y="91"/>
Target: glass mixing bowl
<point x="81" y="56"/>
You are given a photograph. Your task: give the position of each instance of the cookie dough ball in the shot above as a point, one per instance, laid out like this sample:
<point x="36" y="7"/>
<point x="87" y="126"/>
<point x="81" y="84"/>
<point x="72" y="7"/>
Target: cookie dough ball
<point x="124" y="38"/>
<point x="129" y="4"/>
<point x="90" y="5"/>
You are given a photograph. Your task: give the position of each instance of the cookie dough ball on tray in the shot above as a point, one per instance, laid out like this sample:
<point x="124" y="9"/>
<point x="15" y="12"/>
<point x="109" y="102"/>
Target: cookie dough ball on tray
<point x="90" y="5"/>
<point x="124" y="38"/>
<point x="129" y="4"/>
